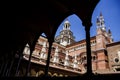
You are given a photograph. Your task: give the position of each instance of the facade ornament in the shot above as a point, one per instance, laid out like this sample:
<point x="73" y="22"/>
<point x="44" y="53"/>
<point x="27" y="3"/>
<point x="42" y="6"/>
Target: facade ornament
<point x="66" y="61"/>
<point x="75" y="63"/>
<point x="36" y="52"/>
<point x="43" y="54"/>
<point x="56" y="56"/>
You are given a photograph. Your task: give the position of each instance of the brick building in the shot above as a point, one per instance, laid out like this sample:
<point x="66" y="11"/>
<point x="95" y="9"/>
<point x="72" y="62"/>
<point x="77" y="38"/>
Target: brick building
<point x="68" y="57"/>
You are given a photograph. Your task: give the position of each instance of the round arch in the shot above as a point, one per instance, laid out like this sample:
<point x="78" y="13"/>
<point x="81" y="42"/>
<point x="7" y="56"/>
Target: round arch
<point x="41" y="73"/>
<point x="50" y="74"/>
<point x="55" y="75"/>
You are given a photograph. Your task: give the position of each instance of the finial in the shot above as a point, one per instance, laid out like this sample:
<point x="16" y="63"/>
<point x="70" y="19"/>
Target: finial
<point x="66" y="21"/>
<point x="109" y="31"/>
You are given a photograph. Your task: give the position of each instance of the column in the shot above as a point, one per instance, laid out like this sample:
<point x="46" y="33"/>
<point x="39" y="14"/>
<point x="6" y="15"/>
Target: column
<point x="87" y="25"/>
<point x="32" y="46"/>
<point x="50" y="40"/>
<point x="20" y="53"/>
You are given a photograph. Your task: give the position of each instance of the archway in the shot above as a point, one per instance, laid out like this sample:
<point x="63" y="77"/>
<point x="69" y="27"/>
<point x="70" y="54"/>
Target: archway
<point x="65" y="42"/>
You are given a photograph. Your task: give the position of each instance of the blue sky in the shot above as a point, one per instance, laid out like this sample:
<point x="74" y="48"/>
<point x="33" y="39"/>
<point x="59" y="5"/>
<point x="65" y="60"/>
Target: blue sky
<point x="111" y="13"/>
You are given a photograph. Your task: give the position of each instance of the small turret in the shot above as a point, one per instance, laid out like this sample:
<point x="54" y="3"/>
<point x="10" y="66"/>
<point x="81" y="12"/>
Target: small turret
<point x="109" y="32"/>
<point x="110" y="35"/>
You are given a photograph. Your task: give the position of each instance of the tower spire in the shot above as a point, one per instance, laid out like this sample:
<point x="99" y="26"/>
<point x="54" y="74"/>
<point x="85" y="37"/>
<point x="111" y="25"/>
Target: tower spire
<point x="110" y="34"/>
<point x="100" y="22"/>
<point x="109" y="31"/>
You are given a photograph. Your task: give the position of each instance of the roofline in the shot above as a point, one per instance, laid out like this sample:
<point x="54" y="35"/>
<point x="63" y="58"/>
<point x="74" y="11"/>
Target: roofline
<point x="112" y="44"/>
<point x="81" y="41"/>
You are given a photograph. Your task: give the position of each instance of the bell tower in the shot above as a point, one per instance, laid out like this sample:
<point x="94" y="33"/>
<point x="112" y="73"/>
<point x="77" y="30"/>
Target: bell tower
<point x="102" y="38"/>
<point x="66" y="35"/>
<point x="101" y="31"/>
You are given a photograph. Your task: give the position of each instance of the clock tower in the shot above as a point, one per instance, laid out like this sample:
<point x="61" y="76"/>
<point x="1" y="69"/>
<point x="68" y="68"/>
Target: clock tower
<point x="66" y="35"/>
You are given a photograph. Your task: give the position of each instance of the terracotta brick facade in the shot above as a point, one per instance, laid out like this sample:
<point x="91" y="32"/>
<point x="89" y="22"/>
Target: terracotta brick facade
<point x="104" y="52"/>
